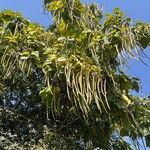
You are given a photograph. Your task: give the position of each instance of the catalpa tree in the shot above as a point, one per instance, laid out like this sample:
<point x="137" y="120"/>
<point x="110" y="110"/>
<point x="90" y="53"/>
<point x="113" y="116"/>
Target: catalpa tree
<point x="65" y="87"/>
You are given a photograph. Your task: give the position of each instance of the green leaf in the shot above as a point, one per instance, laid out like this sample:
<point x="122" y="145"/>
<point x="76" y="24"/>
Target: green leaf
<point x="61" y="59"/>
<point x="53" y="6"/>
<point x="46" y="94"/>
<point x="126" y="99"/>
<point x="117" y="11"/>
<point x="24" y="55"/>
<point x="62" y="25"/>
<point x="35" y="53"/>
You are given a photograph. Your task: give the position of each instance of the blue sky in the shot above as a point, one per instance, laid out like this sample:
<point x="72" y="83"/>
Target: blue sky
<point x="137" y="9"/>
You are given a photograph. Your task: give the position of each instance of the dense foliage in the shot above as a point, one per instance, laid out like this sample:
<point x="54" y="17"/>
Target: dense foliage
<point x="66" y="87"/>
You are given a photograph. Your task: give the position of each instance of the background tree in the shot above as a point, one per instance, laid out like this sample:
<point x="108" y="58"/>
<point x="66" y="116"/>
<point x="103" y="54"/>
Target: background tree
<point x="66" y="87"/>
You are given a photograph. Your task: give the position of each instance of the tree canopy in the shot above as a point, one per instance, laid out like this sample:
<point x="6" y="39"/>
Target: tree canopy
<point x="66" y="87"/>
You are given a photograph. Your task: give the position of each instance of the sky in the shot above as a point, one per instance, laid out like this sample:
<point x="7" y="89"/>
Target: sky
<point x="136" y="9"/>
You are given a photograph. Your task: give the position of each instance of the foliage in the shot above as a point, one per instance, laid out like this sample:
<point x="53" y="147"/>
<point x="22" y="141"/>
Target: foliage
<point x="66" y="87"/>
